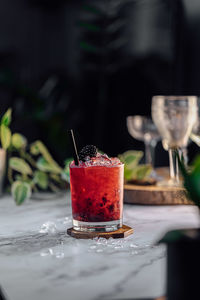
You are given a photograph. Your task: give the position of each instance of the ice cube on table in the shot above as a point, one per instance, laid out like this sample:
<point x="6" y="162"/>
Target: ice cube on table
<point x="48" y="227"/>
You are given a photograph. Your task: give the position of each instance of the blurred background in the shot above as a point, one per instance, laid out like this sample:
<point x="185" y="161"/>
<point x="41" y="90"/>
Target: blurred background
<point x="87" y="65"/>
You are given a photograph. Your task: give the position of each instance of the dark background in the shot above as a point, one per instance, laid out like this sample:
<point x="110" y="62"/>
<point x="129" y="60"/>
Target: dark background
<point x="86" y="65"/>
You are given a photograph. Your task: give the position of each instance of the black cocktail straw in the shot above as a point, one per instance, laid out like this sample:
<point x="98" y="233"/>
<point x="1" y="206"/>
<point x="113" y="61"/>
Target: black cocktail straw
<point x="75" y="152"/>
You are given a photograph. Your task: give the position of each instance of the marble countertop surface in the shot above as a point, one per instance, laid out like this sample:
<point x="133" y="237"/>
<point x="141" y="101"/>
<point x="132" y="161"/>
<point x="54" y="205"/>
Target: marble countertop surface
<point x="38" y="260"/>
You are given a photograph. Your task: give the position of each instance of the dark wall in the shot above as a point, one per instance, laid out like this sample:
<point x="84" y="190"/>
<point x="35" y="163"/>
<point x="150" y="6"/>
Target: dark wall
<point x="192" y="47"/>
<point x="38" y="64"/>
<point x="89" y="64"/>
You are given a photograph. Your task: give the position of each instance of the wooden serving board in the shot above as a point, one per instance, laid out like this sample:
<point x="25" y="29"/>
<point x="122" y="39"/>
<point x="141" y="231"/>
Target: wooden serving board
<point x="155" y="195"/>
<point x="120" y="233"/>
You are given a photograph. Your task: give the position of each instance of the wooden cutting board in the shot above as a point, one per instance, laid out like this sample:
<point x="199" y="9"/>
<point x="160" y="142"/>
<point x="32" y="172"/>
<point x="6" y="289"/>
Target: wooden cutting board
<point x="155" y="195"/>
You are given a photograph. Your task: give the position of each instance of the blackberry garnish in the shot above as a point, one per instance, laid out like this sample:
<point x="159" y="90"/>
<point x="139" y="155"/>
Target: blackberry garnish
<point x="88" y="150"/>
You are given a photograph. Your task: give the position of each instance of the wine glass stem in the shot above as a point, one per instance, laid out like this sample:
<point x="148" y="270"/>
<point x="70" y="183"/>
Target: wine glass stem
<point x="184" y="153"/>
<point x="173" y="166"/>
<point x="150" y="152"/>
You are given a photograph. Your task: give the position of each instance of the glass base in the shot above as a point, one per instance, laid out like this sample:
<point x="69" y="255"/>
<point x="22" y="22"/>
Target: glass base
<point x="169" y="183"/>
<point x="97" y="226"/>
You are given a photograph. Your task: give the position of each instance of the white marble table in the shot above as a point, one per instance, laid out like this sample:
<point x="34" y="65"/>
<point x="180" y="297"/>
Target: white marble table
<point x="43" y="263"/>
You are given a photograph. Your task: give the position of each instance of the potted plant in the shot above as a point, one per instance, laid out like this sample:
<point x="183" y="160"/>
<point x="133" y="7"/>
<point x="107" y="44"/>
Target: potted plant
<point x="31" y="168"/>
<point x="183" y="246"/>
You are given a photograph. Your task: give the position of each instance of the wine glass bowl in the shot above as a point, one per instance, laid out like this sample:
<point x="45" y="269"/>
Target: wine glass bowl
<point x="174" y="117"/>
<point x="143" y="129"/>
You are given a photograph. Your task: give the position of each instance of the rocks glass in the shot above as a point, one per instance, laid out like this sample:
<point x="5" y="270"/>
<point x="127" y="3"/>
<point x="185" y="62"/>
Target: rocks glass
<point x="97" y="194"/>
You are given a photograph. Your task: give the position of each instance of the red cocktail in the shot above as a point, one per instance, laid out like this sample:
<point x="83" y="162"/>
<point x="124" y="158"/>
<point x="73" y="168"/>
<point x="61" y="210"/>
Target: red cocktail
<point x="97" y="194"/>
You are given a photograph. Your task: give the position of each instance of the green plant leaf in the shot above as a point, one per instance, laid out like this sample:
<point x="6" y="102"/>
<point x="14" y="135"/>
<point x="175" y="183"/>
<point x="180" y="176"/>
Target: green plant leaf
<point x="20" y="165"/>
<point x="6" y="119"/>
<point x="196" y="165"/>
<point x="39" y="148"/>
<point x="53" y="187"/>
<point x="175" y="236"/>
<point x="20" y="191"/>
<point x="191" y="179"/>
<point x="41" y="179"/>
<point x="65" y="174"/>
<point x="131" y="158"/>
<point x="21" y="178"/>
<point x="18" y="141"/>
<point x="139" y="172"/>
<point x="55" y="177"/>
<point x="5" y="136"/>
<point x="67" y="162"/>
<point x="34" y="149"/>
<point x="132" y="170"/>
<point x="128" y="173"/>
<point x="98" y="150"/>
<point x="143" y="171"/>
<point x="45" y="166"/>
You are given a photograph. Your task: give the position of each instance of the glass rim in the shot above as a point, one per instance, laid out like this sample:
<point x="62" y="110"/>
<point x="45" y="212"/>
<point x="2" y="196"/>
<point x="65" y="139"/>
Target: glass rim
<point x="97" y="166"/>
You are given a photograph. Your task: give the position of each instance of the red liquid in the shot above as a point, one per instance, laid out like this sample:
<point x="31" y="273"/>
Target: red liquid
<point x="97" y="193"/>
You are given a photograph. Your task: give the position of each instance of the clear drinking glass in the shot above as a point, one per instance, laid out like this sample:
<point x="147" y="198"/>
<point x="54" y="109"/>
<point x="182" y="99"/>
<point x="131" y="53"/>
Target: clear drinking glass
<point x="143" y="129"/>
<point x="97" y="196"/>
<point x="174" y="117"/>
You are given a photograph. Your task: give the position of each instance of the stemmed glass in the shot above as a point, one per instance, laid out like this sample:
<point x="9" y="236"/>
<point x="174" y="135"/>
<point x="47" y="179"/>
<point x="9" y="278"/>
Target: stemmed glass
<point x="143" y="129"/>
<point x="174" y="117"/>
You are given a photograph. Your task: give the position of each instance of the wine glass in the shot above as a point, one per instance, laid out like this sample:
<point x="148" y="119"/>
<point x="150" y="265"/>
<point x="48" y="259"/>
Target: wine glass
<point x="143" y="129"/>
<point x="174" y="117"/>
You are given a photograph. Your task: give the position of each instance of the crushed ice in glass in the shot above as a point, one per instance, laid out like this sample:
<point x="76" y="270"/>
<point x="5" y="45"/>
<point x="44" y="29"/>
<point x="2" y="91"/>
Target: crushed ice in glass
<point x="99" y="160"/>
